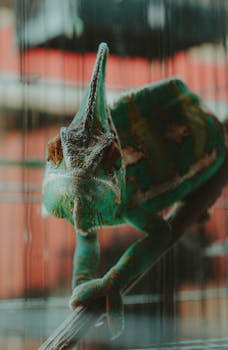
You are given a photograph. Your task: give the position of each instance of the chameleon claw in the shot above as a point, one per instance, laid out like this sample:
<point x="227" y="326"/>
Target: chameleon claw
<point x="115" y="314"/>
<point x="92" y="290"/>
<point x="87" y="292"/>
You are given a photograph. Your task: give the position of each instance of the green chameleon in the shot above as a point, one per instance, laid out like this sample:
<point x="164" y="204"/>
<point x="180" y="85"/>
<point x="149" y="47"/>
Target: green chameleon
<point x="125" y="164"/>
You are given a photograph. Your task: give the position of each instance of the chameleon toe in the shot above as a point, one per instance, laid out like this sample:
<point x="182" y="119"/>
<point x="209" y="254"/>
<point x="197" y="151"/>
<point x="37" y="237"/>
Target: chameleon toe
<point x="115" y="314"/>
<point x="87" y="292"/>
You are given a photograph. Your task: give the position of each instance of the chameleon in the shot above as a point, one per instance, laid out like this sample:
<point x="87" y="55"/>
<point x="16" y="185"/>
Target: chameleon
<point x="125" y="163"/>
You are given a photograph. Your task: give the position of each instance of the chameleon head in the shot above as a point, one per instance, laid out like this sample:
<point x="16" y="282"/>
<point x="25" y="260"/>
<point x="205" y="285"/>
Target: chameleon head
<point x="84" y="174"/>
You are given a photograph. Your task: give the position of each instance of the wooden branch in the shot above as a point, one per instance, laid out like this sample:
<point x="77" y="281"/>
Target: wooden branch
<point x="180" y="218"/>
<point x="74" y="327"/>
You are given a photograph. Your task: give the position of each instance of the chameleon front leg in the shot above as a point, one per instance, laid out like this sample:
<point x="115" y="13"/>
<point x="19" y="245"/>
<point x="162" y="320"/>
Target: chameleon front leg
<point x="137" y="258"/>
<point x="86" y="257"/>
<point x="144" y="252"/>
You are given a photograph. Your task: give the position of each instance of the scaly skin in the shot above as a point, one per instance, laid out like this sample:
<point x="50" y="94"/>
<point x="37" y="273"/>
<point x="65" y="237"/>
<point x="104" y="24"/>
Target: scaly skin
<point x="155" y="146"/>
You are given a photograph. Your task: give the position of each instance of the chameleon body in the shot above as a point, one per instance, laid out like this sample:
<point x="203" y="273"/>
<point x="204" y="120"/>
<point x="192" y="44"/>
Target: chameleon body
<point x="152" y="148"/>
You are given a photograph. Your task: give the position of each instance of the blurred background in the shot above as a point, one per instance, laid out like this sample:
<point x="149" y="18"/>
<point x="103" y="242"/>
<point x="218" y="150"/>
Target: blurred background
<point x="47" y="52"/>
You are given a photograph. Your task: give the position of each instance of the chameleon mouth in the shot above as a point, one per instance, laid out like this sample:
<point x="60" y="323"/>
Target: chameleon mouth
<point x="55" y="174"/>
<point x="70" y="177"/>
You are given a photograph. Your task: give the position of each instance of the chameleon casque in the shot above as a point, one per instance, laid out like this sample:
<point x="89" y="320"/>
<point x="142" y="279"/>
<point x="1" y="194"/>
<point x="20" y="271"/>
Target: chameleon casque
<point x="125" y="164"/>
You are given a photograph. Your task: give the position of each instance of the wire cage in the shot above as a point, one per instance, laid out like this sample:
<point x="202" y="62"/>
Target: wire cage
<point x="48" y="49"/>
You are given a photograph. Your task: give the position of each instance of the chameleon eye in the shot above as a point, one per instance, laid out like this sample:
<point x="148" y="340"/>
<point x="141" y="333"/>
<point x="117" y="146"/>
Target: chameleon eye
<point x="112" y="158"/>
<point x="55" y="152"/>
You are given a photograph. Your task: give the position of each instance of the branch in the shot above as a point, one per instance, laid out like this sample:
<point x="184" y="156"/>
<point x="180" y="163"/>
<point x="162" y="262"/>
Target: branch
<point x="74" y="327"/>
<point x="180" y="218"/>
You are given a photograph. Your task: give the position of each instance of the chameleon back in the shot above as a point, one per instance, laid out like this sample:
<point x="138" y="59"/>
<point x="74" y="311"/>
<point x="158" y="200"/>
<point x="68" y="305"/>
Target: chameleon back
<point x="170" y="144"/>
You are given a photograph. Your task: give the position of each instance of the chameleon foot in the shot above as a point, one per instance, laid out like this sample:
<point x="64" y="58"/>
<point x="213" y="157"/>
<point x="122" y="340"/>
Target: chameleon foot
<point x="94" y="289"/>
